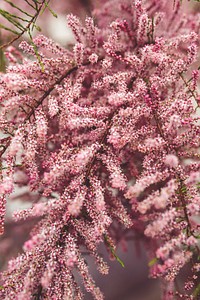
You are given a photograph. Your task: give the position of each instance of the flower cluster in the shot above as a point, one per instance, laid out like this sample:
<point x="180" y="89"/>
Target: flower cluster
<point x="105" y="133"/>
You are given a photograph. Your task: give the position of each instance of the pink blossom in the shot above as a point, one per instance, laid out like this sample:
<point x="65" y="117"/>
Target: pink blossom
<point x="101" y="140"/>
<point x="171" y="160"/>
<point x="93" y="58"/>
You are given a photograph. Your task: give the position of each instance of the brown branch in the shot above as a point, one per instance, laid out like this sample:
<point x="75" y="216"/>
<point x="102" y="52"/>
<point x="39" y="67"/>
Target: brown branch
<point x="159" y="127"/>
<point x="45" y="95"/>
<point x="5" y="148"/>
<point x="180" y="180"/>
<point x="42" y="98"/>
<point x="27" y="28"/>
<point x="102" y="142"/>
<point x="189" y="89"/>
<point x="182" y="198"/>
<point x="48" y="92"/>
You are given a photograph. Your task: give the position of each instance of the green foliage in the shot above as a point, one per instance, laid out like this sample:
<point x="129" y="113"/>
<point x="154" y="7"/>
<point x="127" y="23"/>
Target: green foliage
<point x="196" y="292"/>
<point x="153" y="261"/>
<point x="2" y="61"/>
<point x="36" y="51"/>
<point x="51" y="11"/>
<point x="112" y="250"/>
<point x="23" y="22"/>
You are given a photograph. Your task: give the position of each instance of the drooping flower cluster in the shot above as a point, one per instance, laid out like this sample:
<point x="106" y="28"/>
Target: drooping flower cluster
<point x="105" y="133"/>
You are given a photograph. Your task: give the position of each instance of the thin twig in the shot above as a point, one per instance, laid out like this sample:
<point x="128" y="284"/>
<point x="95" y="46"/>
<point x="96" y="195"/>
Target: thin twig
<point x="44" y="96"/>
<point x="189" y="89"/>
<point x="27" y="28"/>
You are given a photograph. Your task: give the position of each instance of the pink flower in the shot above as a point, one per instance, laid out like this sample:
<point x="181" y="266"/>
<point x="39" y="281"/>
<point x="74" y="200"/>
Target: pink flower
<point x="101" y="141"/>
<point x="171" y="161"/>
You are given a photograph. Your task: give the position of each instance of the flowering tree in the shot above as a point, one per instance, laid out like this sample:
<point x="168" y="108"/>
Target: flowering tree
<point x="104" y="134"/>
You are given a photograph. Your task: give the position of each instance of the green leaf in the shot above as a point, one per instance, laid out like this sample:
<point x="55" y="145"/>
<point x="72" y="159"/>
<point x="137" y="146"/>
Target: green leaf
<point x="112" y="250"/>
<point x="18" y="8"/>
<point x="117" y="258"/>
<point x="152" y="262"/>
<point x="8" y="29"/>
<point x="51" y="11"/>
<point x="196" y="291"/>
<point x="2" y="61"/>
<point x="36" y="51"/>
<point x="38" y="28"/>
<point x="11" y="18"/>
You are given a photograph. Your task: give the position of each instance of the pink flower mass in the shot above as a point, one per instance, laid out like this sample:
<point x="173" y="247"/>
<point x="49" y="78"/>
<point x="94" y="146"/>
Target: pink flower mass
<point x="99" y="135"/>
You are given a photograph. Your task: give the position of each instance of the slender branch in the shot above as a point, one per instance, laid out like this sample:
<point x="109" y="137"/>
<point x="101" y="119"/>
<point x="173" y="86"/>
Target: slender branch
<point x="18" y="8"/>
<point x="191" y="77"/>
<point x="27" y="28"/>
<point x="45" y="95"/>
<point x="102" y="142"/>
<point x="5" y="147"/>
<point x="48" y="92"/>
<point x="38" y="294"/>
<point x="182" y="189"/>
<point x="182" y="198"/>
<point x="189" y="89"/>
